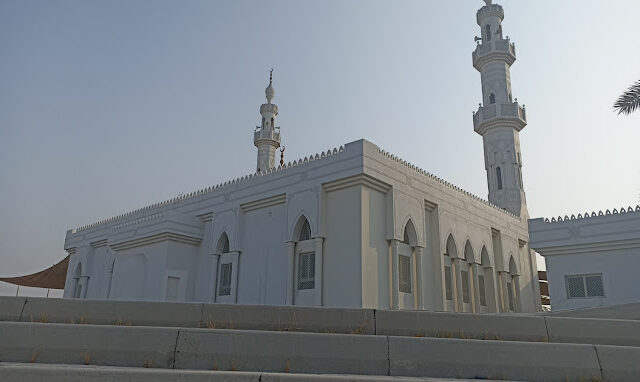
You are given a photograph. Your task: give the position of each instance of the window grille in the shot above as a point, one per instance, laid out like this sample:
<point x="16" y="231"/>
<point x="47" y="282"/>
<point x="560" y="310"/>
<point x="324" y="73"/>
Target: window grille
<point x="404" y="268"/>
<point x="581" y="286"/>
<point x="224" y="289"/>
<point x="465" y="286"/>
<point x="305" y="231"/>
<point x="307" y="271"/>
<point x="483" y="294"/>
<point x="510" y="294"/>
<point x="594" y="286"/>
<point x="447" y="283"/>
<point x="172" y="288"/>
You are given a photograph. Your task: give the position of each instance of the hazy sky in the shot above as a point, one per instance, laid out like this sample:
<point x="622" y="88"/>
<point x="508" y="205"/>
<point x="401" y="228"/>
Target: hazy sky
<point x="107" y="106"/>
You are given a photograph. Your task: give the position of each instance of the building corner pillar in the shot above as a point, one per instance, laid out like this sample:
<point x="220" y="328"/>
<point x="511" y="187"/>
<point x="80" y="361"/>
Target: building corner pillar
<point x="457" y="265"/>
<point x="419" y="278"/>
<point x="395" y="296"/>
<point x="516" y="293"/>
<point x="318" y="268"/>
<point x="475" y="269"/>
<point x="291" y="252"/>
<point x="213" y="287"/>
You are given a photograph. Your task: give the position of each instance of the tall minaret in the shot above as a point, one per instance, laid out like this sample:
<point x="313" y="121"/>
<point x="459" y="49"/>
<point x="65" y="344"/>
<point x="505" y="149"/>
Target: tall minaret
<point x="499" y="119"/>
<point x="267" y="136"/>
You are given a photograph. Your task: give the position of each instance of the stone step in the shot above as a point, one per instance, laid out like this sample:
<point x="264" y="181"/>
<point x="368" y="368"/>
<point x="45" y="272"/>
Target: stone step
<point x="20" y="372"/>
<point x="313" y="353"/>
<point x="505" y="327"/>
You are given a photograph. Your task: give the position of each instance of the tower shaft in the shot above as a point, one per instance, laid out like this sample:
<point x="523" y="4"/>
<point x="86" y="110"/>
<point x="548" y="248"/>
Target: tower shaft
<point x="499" y="118"/>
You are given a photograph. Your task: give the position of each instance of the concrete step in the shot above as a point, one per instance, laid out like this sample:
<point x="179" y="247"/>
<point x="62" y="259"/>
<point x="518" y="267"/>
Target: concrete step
<point x="20" y="372"/>
<point x="313" y="353"/>
<point x="505" y="327"/>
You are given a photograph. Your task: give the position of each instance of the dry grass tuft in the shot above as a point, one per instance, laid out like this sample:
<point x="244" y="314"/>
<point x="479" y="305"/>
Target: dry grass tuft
<point x="34" y="356"/>
<point x="287" y="366"/>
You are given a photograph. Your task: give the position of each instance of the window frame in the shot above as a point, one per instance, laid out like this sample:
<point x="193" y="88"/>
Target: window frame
<point x="448" y="283"/>
<point x="482" y="290"/>
<point x="584" y="286"/>
<point x="312" y="277"/>
<point x="404" y="274"/>
<point x="220" y="280"/>
<point x="466" y="286"/>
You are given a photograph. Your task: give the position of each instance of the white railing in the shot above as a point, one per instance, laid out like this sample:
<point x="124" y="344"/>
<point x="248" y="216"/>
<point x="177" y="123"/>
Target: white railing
<point x="267" y="134"/>
<point x="495" y="46"/>
<point x="509" y="110"/>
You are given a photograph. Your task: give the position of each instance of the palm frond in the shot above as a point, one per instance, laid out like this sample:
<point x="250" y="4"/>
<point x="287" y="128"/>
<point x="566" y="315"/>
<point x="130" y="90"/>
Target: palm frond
<point x="629" y="101"/>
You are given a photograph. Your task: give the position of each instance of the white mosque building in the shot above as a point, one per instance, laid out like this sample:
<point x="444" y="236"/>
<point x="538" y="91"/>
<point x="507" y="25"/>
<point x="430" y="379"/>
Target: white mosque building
<point x="349" y="227"/>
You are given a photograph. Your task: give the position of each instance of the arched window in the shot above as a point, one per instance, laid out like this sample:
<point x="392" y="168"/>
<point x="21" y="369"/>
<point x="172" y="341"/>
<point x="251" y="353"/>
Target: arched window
<point x="452" y="252"/>
<point x="519" y="171"/>
<point x="263" y="121"/>
<point x="492" y="98"/>
<point x="305" y="231"/>
<point x="77" y="288"/>
<point x="110" y="275"/>
<point x="510" y="99"/>
<point x="482" y="286"/>
<point x="223" y="244"/>
<point x="512" y="292"/>
<point x="499" y="177"/>
<point x="409" y="237"/>
<point x="273" y="122"/>
<point x="488" y="32"/>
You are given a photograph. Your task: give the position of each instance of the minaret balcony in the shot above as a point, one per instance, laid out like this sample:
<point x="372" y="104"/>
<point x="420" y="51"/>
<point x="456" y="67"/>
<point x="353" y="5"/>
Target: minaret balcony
<point x="496" y="50"/>
<point x="499" y="115"/>
<point x="267" y="135"/>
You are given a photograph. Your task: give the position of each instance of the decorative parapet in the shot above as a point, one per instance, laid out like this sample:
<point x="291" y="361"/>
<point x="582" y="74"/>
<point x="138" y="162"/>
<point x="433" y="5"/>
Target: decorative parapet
<point x="444" y="182"/>
<point x="201" y="192"/>
<point x="271" y="135"/>
<point x="505" y="114"/>
<point x="592" y="215"/>
<point x="497" y="49"/>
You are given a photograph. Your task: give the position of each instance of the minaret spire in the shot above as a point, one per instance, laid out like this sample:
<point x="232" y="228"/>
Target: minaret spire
<point x="499" y="118"/>
<point x="266" y="137"/>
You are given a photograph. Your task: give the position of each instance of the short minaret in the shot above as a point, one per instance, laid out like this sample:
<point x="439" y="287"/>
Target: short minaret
<point x="499" y="118"/>
<point x="267" y="136"/>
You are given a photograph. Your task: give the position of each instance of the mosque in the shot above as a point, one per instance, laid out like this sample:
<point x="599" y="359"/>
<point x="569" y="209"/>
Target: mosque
<point x="354" y="226"/>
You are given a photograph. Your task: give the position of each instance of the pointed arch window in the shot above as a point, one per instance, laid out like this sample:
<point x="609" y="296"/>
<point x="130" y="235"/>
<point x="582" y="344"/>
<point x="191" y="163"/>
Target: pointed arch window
<point x="499" y="177"/>
<point x="406" y="237"/>
<point x="492" y="98"/>
<point x="223" y="244"/>
<point x="305" y="231"/>
<point x="273" y="122"/>
<point x="488" y="32"/>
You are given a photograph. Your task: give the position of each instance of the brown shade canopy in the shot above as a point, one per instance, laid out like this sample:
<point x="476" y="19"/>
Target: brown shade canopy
<point x="51" y="278"/>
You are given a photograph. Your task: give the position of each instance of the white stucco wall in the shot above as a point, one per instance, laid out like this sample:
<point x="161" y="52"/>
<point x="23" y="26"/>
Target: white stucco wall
<point x="357" y="201"/>
<point x="607" y="244"/>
